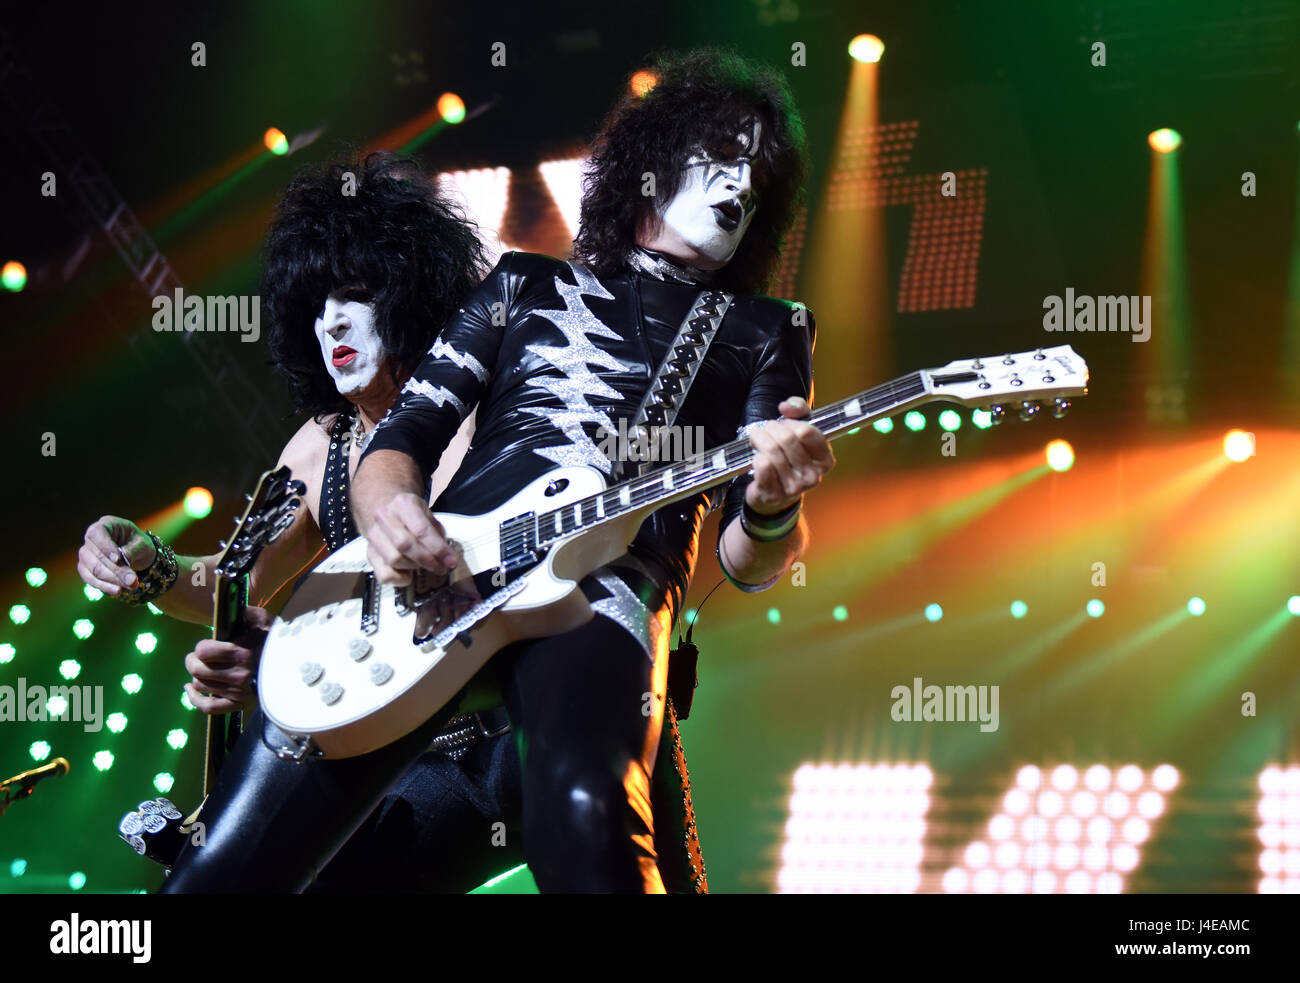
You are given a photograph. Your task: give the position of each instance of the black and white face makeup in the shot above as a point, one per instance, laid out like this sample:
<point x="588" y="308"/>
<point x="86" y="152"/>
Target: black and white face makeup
<point x="349" y="339"/>
<point x="715" y="201"/>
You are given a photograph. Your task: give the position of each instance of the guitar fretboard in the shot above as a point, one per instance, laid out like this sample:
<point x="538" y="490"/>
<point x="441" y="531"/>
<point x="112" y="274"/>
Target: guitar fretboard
<point x="676" y="481"/>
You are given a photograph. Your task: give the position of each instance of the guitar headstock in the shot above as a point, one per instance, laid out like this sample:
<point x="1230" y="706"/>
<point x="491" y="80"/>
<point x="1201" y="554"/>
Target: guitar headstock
<point x="1024" y="380"/>
<point x="270" y="512"/>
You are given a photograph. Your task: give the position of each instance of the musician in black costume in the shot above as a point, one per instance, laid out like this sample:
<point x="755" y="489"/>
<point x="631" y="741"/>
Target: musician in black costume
<point x="553" y="353"/>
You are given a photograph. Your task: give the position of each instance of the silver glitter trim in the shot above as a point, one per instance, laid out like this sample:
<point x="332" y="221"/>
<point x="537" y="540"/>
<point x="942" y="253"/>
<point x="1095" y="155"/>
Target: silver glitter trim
<point x="662" y="268"/>
<point x="576" y="321"/>
<point x="438" y="395"/>
<point x="463" y="360"/>
<point x="650" y="629"/>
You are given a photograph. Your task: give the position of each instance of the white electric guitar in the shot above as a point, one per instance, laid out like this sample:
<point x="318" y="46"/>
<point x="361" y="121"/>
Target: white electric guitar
<point x="351" y="664"/>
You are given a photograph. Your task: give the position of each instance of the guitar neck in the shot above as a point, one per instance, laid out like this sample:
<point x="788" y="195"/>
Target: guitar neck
<point x="230" y="598"/>
<point x="669" y="484"/>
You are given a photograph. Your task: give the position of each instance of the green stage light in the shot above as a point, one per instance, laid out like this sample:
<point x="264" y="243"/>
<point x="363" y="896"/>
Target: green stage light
<point x="1164" y="140"/>
<point x="933" y="612"/>
<point x="198" y="503"/>
<point x="83" y="628"/>
<point x="850" y="433"/>
<point x="1060" y="455"/>
<point x="773" y="616"/>
<point x="1019" y="609"/>
<point x="691" y="615"/>
<point x="92" y="593"/>
<point x="146" y="642"/>
<point x="17" y="867"/>
<point x="1292" y="605"/>
<point x="19" y="614"/>
<point x="866" y="48"/>
<point x="914" y="420"/>
<point x="950" y="420"/>
<point x="36" y="576"/>
<point x="103" y="760"/>
<point x="1196" y="607"/>
<point x="56" y="706"/>
<point x="132" y="682"/>
<point x="185" y="701"/>
<point x="841" y="613"/>
<point x="163" y="782"/>
<point x="177" y="738"/>
<point x="153" y="608"/>
<point x="1096" y="608"/>
<point x="884" y="426"/>
<point x="116" y="722"/>
<point x="69" y="668"/>
<point x="40" y="750"/>
<point x="276" y="142"/>
<point x="7" y="653"/>
<point x="14" y="276"/>
<point x="982" y="419"/>
<point x="77" y="881"/>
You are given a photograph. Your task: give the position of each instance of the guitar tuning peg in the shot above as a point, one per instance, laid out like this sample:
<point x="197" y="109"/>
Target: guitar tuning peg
<point x="221" y="543"/>
<point x="1038" y="355"/>
<point x="1060" y="406"/>
<point x="247" y="497"/>
<point x="1029" y="410"/>
<point x="998" y="413"/>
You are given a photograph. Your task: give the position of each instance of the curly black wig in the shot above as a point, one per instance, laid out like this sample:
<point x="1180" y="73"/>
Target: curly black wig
<point x="397" y="237"/>
<point x="699" y="99"/>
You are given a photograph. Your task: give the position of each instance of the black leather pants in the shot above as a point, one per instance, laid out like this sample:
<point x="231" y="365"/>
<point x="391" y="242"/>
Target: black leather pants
<point x="586" y="708"/>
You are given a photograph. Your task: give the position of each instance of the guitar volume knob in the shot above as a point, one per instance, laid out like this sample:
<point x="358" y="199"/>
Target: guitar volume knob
<point x="311" y="672"/>
<point x="358" y="649"/>
<point x="331" y="693"/>
<point x="380" y="673"/>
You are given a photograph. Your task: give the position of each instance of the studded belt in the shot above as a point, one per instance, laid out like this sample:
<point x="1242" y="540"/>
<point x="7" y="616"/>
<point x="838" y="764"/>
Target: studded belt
<point x="463" y="732"/>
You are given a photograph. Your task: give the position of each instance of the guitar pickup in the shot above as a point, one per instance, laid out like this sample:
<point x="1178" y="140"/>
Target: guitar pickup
<point x="370" y="606"/>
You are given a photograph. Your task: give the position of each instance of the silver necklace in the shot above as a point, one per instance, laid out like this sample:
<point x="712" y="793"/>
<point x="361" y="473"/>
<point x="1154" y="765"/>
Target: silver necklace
<point x="360" y="436"/>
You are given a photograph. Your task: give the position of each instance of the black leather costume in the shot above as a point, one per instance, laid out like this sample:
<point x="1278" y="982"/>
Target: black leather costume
<point x="548" y="353"/>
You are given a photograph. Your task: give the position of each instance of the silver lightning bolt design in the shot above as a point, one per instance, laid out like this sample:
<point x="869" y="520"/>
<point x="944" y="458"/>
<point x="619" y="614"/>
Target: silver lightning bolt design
<point x="438" y="395"/>
<point x="463" y="360"/>
<point x="576" y="322"/>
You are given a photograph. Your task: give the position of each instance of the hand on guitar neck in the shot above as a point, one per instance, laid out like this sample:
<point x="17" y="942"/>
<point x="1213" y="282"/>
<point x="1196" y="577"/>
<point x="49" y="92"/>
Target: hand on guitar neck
<point x="225" y="671"/>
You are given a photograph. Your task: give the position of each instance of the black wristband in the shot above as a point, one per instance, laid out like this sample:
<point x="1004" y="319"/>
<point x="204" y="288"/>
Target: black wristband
<point x="769" y="528"/>
<point x="157" y="578"/>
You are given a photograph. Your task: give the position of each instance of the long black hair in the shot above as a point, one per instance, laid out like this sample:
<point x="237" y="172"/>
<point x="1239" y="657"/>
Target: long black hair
<point x="700" y="98"/>
<point x="396" y="235"/>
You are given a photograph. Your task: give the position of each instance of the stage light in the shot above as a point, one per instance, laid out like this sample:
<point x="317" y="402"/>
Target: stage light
<point x="982" y="419"/>
<point x="851" y="432"/>
<point x="642" y="82"/>
<point x="1238" y="445"/>
<point x="1096" y="608"/>
<point x="69" y="668"/>
<point x="773" y="616"/>
<point x="1060" y="455"/>
<point x="92" y="593"/>
<point x="950" y="420"/>
<point x="840" y="613"/>
<point x="116" y="722"/>
<point x="77" y="881"/>
<point x="17" y="867"/>
<point x="146" y="642"/>
<point x="14" y="276"/>
<point x="56" y="706"/>
<point x="691" y="615"/>
<point x="1164" y="140"/>
<point x="39" y="750"/>
<point x="451" y="107"/>
<point x="1019" y="609"/>
<point x="1292" y="605"/>
<point x="866" y="48"/>
<point x="36" y="577"/>
<point x="103" y="760"/>
<point x="1196" y="607"/>
<point x="83" y="628"/>
<point x="884" y="426"/>
<point x="7" y="653"/>
<point x="163" y="782"/>
<point x="914" y="421"/>
<point x="1165" y="778"/>
<point x="177" y="738"/>
<point x="132" y="682"/>
<point x="185" y="701"/>
<point x="19" y="614"/>
<point x="153" y="608"/>
<point x="933" y="612"/>
<point x="276" y="142"/>
<point x="198" y="503"/>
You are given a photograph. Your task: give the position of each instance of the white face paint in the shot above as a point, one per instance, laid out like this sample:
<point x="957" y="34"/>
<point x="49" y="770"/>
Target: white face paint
<point x="715" y="202"/>
<point x="349" y="340"/>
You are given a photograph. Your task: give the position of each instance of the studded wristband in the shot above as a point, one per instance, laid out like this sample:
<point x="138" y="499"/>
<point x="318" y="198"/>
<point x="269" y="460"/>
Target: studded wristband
<point x="157" y="579"/>
<point x="769" y="528"/>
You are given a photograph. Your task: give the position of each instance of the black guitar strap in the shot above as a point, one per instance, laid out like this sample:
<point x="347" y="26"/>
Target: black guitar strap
<point x="667" y="390"/>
